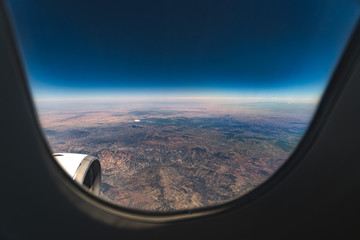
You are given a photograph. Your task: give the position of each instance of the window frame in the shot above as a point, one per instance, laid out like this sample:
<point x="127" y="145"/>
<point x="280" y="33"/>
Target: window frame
<point x="346" y="70"/>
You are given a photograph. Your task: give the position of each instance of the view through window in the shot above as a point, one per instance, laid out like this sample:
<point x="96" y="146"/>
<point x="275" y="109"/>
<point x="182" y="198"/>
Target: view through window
<point x="186" y="104"/>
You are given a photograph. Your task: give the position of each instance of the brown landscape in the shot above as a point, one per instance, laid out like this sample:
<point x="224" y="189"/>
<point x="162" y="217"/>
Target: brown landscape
<point x="175" y="155"/>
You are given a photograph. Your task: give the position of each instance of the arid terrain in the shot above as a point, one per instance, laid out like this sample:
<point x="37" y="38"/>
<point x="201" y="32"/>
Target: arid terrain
<point x="167" y="156"/>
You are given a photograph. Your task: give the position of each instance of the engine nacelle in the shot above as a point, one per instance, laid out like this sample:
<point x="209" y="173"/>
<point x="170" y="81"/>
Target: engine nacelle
<point x="84" y="169"/>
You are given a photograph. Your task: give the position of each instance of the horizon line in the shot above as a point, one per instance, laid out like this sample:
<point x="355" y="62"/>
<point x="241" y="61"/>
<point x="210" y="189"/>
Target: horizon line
<point x="188" y="98"/>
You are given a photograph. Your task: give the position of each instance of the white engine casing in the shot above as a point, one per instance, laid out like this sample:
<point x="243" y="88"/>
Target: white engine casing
<point x="82" y="168"/>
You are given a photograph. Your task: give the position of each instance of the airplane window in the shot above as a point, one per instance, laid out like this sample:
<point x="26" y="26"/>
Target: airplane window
<point x="170" y="105"/>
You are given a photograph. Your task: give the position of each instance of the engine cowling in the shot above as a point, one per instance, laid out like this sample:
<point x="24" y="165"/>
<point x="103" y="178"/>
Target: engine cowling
<point x="84" y="169"/>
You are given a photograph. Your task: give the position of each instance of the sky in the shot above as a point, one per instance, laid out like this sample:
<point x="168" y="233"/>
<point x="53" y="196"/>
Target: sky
<point x="181" y="48"/>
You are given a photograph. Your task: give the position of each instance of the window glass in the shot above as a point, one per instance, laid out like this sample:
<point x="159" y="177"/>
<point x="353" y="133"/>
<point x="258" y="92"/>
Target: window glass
<point x="185" y="104"/>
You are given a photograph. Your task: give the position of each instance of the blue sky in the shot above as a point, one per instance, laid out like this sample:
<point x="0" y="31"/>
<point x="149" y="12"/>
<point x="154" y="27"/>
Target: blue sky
<point x="221" y="48"/>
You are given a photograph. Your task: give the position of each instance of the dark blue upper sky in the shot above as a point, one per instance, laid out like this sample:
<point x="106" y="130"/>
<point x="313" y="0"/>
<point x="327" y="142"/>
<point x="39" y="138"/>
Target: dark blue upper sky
<point x="280" y="46"/>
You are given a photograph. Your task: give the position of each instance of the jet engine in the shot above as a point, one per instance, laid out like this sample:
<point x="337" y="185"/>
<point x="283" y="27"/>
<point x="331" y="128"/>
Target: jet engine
<point x="84" y="169"/>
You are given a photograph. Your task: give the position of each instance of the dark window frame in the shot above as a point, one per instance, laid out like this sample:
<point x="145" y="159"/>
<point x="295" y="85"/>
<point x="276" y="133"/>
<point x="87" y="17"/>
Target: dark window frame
<point x="346" y="70"/>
